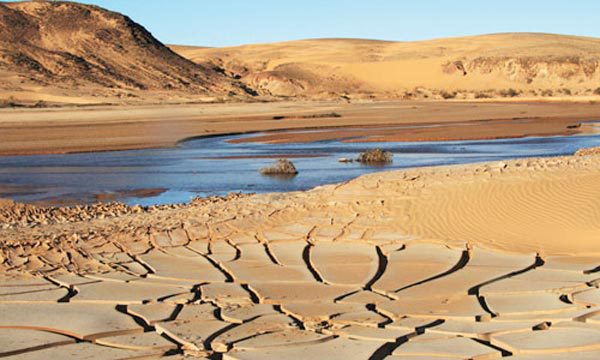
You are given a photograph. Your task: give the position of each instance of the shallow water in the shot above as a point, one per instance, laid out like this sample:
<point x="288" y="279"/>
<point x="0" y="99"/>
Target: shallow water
<point x="190" y="170"/>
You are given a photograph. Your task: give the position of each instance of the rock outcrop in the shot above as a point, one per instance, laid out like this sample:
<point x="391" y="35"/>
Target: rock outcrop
<point x="68" y="46"/>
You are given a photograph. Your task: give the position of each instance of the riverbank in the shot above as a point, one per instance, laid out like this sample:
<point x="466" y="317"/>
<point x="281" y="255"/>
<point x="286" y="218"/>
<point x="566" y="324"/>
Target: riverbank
<point x="465" y="197"/>
<point x="103" y="128"/>
<point x="220" y="165"/>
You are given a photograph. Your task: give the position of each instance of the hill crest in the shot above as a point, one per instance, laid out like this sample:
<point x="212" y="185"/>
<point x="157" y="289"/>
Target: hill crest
<point x="495" y="65"/>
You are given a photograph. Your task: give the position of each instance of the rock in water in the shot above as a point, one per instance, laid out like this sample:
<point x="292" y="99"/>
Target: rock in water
<point x="375" y="156"/>
<point x="281" y="167"/>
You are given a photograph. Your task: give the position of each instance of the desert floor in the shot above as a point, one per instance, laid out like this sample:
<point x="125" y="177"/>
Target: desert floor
<point x="480" y="261"/>
<point x="461" y="262"/>
<point x="76" y="129"/>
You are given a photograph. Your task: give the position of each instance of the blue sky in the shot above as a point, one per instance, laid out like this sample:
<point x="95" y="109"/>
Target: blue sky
<point x="234" y="22"/>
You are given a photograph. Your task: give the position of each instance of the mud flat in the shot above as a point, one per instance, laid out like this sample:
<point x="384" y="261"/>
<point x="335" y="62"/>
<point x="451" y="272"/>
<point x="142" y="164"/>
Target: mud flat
<point x="101" y="128"/>
<point x="472" y="262"/>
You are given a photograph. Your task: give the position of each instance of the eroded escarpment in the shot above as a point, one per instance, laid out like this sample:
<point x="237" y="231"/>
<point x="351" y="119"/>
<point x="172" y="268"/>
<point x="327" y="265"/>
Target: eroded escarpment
<point x="509" y="65"/>
<point x="360" y="270"/>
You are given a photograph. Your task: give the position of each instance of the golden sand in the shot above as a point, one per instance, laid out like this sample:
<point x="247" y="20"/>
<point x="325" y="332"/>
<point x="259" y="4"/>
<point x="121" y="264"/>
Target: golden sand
<point x="519" y="65"/>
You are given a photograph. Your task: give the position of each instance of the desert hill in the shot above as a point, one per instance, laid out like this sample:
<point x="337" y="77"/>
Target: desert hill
<point x="500" y="65"/>
<point x="63" y="51"/>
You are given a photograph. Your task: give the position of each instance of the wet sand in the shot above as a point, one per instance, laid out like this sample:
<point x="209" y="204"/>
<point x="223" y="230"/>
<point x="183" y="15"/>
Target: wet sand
<point x="270" y="156"/>
<point x="64" y="130"/>
<point x="138" y="193"/>
<point x="477" y="261"/>
<point x="472" y="130"/>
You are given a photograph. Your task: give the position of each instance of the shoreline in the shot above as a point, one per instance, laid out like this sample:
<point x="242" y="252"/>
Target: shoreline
<point x="62" y="131"/>
<point x="366" y="134"/>
<point x="461" y="176"/>
<point x="134" y="192"/>
<point x="361" y="138"/>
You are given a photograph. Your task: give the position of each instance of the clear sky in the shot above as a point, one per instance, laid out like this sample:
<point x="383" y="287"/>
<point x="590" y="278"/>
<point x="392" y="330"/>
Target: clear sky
<point x="235" y="22"/>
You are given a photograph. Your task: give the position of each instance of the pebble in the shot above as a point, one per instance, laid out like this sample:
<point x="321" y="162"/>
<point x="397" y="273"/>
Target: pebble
<point x="24" y="215"/>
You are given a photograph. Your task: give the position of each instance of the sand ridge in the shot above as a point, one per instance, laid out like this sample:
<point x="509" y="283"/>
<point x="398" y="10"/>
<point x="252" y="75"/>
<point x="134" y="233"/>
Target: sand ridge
<point x="507" y="65"/>
<point x="447" y="262"/>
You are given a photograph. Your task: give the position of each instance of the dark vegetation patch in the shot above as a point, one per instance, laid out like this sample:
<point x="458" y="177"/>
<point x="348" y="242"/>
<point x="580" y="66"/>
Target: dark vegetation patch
<point x="281" y="167"/>
<point x="311" y="116"/>
<point x="376" y="156"/>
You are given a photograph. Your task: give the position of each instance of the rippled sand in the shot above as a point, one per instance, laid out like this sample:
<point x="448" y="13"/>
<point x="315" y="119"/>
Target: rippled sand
<point x="462" y="262"/>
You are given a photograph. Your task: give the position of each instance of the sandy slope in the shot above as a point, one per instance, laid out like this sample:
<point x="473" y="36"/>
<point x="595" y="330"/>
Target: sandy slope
<point x="532" y="206"/>
<point x="477" y="261"/>
<point x="482" y="66"/>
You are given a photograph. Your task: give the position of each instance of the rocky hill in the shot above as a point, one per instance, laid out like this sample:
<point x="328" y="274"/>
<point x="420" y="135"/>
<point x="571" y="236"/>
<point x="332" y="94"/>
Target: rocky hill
<point x="63" y="51"/>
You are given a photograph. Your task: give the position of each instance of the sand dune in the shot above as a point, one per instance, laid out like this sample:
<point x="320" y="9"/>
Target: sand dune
<point x="523" y="210"/>
<point x="479" y="261"/>
<point x="533" y="65"/>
